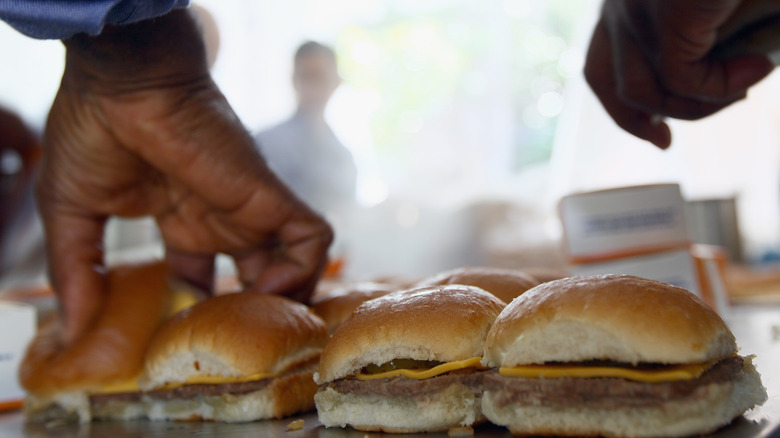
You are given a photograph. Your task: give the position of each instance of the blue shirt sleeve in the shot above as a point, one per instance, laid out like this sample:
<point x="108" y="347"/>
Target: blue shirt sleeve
<point x="60" y="19"/>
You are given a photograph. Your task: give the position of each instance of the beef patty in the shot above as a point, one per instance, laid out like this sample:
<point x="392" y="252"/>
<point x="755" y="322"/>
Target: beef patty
<point x="406" y="387"/>
<point x="196" y="390"/>
<point x="564" y="391"/>
<point x="605" y="392"/>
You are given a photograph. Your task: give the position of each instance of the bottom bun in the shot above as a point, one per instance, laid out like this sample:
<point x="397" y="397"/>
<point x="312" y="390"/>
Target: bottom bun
<point x="66" y="406"/>
<point x="283" y="396"/>
<point x="456" y="405"/>
<point x="78" y="406"/>
<point x="707" y="409"/>
<point x="118" y="410"/>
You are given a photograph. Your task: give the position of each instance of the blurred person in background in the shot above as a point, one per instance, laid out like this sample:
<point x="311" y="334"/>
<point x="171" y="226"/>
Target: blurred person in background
<point x="650" y="59"/>
<point x="21" y="236"/>
<point x="307" y="156"/>
<point x="139" y="128"/>
<point x="303" y="151"/>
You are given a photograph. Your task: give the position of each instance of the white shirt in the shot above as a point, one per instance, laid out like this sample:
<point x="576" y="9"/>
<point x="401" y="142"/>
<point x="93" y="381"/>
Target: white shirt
<point x="306" y="155"/>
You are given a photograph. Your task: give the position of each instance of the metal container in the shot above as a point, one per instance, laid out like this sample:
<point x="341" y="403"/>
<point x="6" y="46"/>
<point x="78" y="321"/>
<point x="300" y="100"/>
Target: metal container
<point x="715" y="222"/>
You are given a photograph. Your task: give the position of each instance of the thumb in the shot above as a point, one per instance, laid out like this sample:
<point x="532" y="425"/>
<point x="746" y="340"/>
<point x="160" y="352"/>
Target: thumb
<point x="744" y="71"/>
<point x="689" y="63"/>
<point x="74" y="248"/>
<point x="717" y="81"/>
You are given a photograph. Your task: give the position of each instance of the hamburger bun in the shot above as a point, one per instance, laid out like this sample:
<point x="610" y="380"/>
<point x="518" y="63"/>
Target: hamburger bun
<point x="325" y="287"/>
<point x="442" y="324"/>
<point x="59" y="379"/>
<point x="622" y="322"/>
<point x="506" y="284"/>
<point x="545" y="274"/>
<point x="229" y="339"/>
<point x="339" y="304"/>
<point x="613" y="317"/>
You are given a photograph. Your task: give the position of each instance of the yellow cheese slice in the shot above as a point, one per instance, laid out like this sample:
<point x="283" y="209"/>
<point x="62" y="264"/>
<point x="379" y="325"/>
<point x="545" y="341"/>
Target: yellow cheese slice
<point x="662" y="374"/>
<point x="181" y="298"/>
<point x="424" y="373"/>
<point x="129" y="385"/>
<point x="218" y="380"/>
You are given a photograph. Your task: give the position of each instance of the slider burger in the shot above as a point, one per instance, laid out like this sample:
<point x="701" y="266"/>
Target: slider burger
<point x="95" y="377"/>
<point x="233" y="358"/>
<point x="614" y="355"/>
<point x="339" y="304"/>
<point x="408" y="361"/>
<point x="506" y="284"/>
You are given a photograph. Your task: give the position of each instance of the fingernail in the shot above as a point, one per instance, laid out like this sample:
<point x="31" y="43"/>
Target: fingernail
<point x="659" y="133"/>
<point x="657" y="119"/>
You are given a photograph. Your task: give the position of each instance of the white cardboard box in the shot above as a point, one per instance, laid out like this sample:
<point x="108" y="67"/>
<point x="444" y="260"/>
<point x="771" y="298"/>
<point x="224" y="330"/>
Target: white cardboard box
<point x="630" y="220"/>
<point x="673" y="267"/>
<point x="17" y="328"/>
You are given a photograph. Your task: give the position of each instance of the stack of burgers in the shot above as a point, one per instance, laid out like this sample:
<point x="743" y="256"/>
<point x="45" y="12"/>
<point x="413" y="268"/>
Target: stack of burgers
<point x="607" y="356"/>
<point x="237" y="357"/>
<point x="596" y="356"/>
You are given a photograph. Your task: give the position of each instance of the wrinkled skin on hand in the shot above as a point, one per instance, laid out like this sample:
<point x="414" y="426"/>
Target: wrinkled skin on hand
<point x="650" y="59"/>
<point x="139" y="128"/>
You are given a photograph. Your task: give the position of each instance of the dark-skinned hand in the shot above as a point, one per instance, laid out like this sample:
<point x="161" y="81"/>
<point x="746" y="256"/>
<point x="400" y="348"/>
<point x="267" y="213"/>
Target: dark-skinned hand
<point x="139" y="128"/>
<point x="651" y="59"/>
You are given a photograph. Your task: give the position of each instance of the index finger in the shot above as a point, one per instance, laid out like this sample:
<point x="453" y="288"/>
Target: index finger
<point x="75" y="257"/>
<point x="600" y="74"/>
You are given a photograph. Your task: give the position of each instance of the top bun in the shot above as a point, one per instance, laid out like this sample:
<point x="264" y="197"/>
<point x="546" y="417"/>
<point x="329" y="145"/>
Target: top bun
<point x="441" y="323"/>
<point x="234" y="335"/>
<point x="611" y="317"/>
<point x="341" y="302"/>
<point x="137" y="300"/>
<point x="545" y="274"/>
<point x="506" y="284"/>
